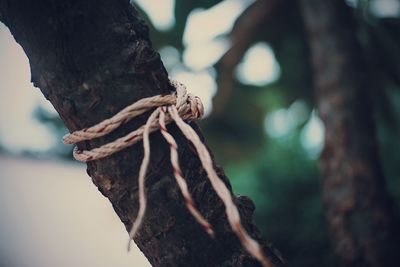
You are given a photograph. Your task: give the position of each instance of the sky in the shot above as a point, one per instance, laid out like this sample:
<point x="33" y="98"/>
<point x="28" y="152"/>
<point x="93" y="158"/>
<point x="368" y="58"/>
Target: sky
<point x="43" y="225"/>
<point x="18" y="100"/>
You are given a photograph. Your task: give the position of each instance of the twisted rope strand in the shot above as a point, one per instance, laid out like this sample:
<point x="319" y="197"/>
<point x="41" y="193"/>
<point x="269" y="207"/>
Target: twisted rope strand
<point x="142" y="174"/>
<point x="231" y="210"/>
<point x="113" y="147"/>
<point x="179" y="178"/>
<point x="176" y="107"/>
<point x="189" y="107"/>
<point x="120" y="118"/>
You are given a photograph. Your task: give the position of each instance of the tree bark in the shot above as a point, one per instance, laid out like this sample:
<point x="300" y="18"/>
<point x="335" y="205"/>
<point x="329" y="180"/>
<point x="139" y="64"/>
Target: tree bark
<point x="360" y="214"/>
<point x="92" y="58"/>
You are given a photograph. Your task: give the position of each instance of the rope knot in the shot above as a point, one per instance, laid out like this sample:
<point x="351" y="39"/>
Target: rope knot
<point x="189" y="106"/>
<point x="176" y="107"/>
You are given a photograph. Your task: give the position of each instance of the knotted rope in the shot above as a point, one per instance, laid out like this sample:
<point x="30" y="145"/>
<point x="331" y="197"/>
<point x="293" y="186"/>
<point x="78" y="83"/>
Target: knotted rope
<point x="176" y="107"/>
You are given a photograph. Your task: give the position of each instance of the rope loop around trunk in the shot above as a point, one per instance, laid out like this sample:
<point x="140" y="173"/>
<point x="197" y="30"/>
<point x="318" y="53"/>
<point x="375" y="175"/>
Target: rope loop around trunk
<point x="176" y="107"/>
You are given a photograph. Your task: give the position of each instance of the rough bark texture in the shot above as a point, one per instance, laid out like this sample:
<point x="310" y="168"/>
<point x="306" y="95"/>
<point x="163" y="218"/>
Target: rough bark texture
<point x="92" y="58"/>
<point x="359" y="212"/>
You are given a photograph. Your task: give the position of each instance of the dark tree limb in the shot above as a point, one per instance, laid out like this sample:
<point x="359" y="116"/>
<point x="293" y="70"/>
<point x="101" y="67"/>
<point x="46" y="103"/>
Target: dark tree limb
<point x="242" y="36"/>
<point x="359" y="211"/>
<point x="92" y="58"/>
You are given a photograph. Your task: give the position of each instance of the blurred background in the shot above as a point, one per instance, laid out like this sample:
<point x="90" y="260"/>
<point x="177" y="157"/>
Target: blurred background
<point x="231" y="56"/>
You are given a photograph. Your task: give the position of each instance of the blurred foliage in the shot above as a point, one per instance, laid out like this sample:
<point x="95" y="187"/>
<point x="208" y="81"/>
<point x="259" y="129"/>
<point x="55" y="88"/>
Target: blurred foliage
<point x="284" y="185"/>
<point x="277" y="172"/>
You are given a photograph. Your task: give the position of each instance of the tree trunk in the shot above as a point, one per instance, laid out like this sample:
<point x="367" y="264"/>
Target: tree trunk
<point x="92" y="58"/>
<point x="359" y="211"/>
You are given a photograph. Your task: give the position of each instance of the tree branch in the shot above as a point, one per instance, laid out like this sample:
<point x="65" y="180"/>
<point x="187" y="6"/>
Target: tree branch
<point x="92" y="58"/>
<point x="359" y="211"/>
<point x="242" y="36"/>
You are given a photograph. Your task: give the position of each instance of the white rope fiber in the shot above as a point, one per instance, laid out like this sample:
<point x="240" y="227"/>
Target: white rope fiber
<point x="176" y="107"/>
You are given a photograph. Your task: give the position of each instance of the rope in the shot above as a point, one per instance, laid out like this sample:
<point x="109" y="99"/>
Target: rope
<point x="176" y="107"/>
<point x="179" y="178"/>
